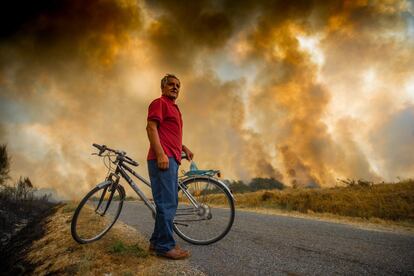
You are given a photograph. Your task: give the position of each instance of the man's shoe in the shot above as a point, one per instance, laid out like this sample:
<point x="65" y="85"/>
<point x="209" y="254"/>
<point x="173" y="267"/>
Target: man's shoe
<point x="175" y="254"/>
<point x="152" y="250"/>
<point x="179" y="248"/>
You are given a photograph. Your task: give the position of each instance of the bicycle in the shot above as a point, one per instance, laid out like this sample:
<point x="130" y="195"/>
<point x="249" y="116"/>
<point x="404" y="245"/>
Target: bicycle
<point x="205" y="212"/>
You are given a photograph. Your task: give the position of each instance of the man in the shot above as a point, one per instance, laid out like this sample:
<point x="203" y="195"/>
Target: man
<point x="164" y="129"/>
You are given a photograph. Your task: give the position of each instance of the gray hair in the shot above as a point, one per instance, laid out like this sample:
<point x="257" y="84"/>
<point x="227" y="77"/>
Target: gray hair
<point x="164" y="80"/>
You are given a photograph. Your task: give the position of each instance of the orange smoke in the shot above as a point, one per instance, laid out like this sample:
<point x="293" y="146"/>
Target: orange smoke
<point x="305" y="93"/>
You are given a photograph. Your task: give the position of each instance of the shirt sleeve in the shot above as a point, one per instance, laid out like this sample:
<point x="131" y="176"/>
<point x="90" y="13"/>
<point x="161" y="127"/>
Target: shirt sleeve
<point x="155" y="111"/>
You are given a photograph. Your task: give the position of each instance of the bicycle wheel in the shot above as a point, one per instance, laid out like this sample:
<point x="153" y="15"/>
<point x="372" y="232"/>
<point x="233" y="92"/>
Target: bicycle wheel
<point x="212" y="215"/>
<point x="97" y="213"/>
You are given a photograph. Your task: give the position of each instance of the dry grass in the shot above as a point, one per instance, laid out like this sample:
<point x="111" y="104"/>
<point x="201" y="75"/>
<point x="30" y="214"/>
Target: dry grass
<point x="57" y="252"/>
<point x="122" y="251"/>
<point x="392" y="202"/>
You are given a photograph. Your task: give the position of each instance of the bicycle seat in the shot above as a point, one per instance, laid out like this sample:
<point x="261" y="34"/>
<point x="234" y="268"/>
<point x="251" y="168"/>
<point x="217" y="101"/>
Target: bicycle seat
<point x="202" y="172"/>
<point x="194" y="171"/>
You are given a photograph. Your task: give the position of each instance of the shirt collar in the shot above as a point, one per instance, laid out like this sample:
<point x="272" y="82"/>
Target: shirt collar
<point x="168" y="99"/>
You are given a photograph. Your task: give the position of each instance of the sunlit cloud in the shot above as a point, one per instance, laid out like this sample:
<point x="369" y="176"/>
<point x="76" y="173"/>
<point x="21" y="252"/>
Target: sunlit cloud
<point x="311" y="45"/>
<point x="409" y="89"/>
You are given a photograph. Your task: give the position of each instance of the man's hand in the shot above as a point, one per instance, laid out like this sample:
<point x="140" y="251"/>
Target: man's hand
<point x="162" y="162"/>
<point x="188" y="152"/>
<point x="162" y="158"/>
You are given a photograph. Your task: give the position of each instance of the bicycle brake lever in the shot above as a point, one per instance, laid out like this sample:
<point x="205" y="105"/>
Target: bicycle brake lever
<point x="101" y="151"/>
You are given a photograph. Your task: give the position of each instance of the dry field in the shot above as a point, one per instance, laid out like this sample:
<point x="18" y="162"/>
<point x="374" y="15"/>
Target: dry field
<point x="391" y="202"/>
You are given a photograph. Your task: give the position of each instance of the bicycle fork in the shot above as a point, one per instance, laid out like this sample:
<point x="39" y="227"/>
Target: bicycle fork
<point x="112" y="189"/>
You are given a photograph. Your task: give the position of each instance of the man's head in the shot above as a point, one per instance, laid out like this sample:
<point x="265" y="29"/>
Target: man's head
<point x="170" y="86"/>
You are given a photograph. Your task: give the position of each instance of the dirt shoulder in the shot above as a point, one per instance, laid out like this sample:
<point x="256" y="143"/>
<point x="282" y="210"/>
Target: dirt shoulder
<point x="46" y="247"/>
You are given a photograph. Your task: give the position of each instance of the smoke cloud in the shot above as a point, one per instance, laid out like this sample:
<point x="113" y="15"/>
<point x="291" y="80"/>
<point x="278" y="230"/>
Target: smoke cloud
<point x="304" y="92"/>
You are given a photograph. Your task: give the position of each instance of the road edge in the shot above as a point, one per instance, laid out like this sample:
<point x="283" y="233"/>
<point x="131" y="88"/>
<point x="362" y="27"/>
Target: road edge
<point x="373" y="224"/>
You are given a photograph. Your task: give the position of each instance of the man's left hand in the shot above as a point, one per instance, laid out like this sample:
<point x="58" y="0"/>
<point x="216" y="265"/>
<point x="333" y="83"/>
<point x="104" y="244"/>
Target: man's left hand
<point x="189" y="153"/>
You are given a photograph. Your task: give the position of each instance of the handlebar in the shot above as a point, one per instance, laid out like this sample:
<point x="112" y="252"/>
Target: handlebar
<point x="121" y="155"/>
<point x="184" y="155"/>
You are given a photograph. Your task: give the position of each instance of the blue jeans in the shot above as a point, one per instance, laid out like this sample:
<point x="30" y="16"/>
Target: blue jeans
<point x="164" y="185"/>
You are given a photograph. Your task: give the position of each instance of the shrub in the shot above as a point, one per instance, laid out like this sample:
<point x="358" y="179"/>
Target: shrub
<point x="267" y="195"/>
<point x="256" y="184"/>
<point x="259" y="183"/>
<point x="237" y="186"/>
<point x="356" y="183"/>
<point x="24" y="189"/>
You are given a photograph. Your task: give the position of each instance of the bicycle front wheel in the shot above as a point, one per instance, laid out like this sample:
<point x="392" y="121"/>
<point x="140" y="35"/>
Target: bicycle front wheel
<point x="97" y="213"/>
<point x="205" y="211"/>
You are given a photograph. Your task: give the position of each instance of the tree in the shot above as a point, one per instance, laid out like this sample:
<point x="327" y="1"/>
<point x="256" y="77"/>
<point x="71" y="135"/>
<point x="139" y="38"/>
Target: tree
<point x="4" y="165"/>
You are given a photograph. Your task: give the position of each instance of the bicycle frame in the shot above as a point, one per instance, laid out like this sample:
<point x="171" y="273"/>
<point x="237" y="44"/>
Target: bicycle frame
<point x="195" y="187"/>
<point x="122" y="168"/>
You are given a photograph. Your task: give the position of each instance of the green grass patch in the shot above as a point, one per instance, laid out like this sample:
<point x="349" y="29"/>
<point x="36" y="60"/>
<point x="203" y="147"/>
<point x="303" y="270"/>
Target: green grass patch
<point x="118" y="247"/>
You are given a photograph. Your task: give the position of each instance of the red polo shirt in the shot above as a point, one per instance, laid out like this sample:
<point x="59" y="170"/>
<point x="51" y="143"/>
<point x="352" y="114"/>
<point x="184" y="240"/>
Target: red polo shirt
<point x="170" y="127"/>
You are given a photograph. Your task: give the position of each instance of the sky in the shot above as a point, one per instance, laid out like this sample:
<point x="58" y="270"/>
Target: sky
<point x="306" y="92"/>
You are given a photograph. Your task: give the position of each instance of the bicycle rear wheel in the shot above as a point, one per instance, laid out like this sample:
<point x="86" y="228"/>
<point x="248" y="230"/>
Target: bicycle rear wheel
<point x="205" y="211"/>
<point x="97" y="213"/>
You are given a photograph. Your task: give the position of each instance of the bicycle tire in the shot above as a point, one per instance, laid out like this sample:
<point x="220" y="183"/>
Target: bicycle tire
<point x="202" y="224"/>
<point x="112" y="214"/>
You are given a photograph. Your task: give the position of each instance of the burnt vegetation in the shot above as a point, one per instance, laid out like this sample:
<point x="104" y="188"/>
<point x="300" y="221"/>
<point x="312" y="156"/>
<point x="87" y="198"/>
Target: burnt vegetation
<point x="19" y="206"/>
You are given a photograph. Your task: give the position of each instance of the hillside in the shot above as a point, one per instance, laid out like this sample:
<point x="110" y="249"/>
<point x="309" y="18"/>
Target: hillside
<point x="46" y="247"/>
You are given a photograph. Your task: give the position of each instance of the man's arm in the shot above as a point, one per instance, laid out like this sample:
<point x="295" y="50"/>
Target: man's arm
<point x="154" y="139"/>
<point x="188" y="152"/>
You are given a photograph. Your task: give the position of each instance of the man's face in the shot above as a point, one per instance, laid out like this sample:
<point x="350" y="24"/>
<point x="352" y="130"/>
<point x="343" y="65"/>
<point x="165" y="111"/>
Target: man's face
<point x="172" y="88"/>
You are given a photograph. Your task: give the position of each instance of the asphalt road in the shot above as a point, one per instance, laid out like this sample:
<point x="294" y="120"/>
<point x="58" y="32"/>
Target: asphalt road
<point x="261" y="244"/>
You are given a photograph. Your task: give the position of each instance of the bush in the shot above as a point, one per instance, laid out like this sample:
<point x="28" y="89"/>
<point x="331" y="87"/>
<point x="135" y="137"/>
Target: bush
<point x="256" y="184"/>
<point x="22" y="191"/>
<point x="267" y="195"/>
<point x="237" y="186"/>
<point x="265" y="184"/>
<point x="356" y="183"/>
